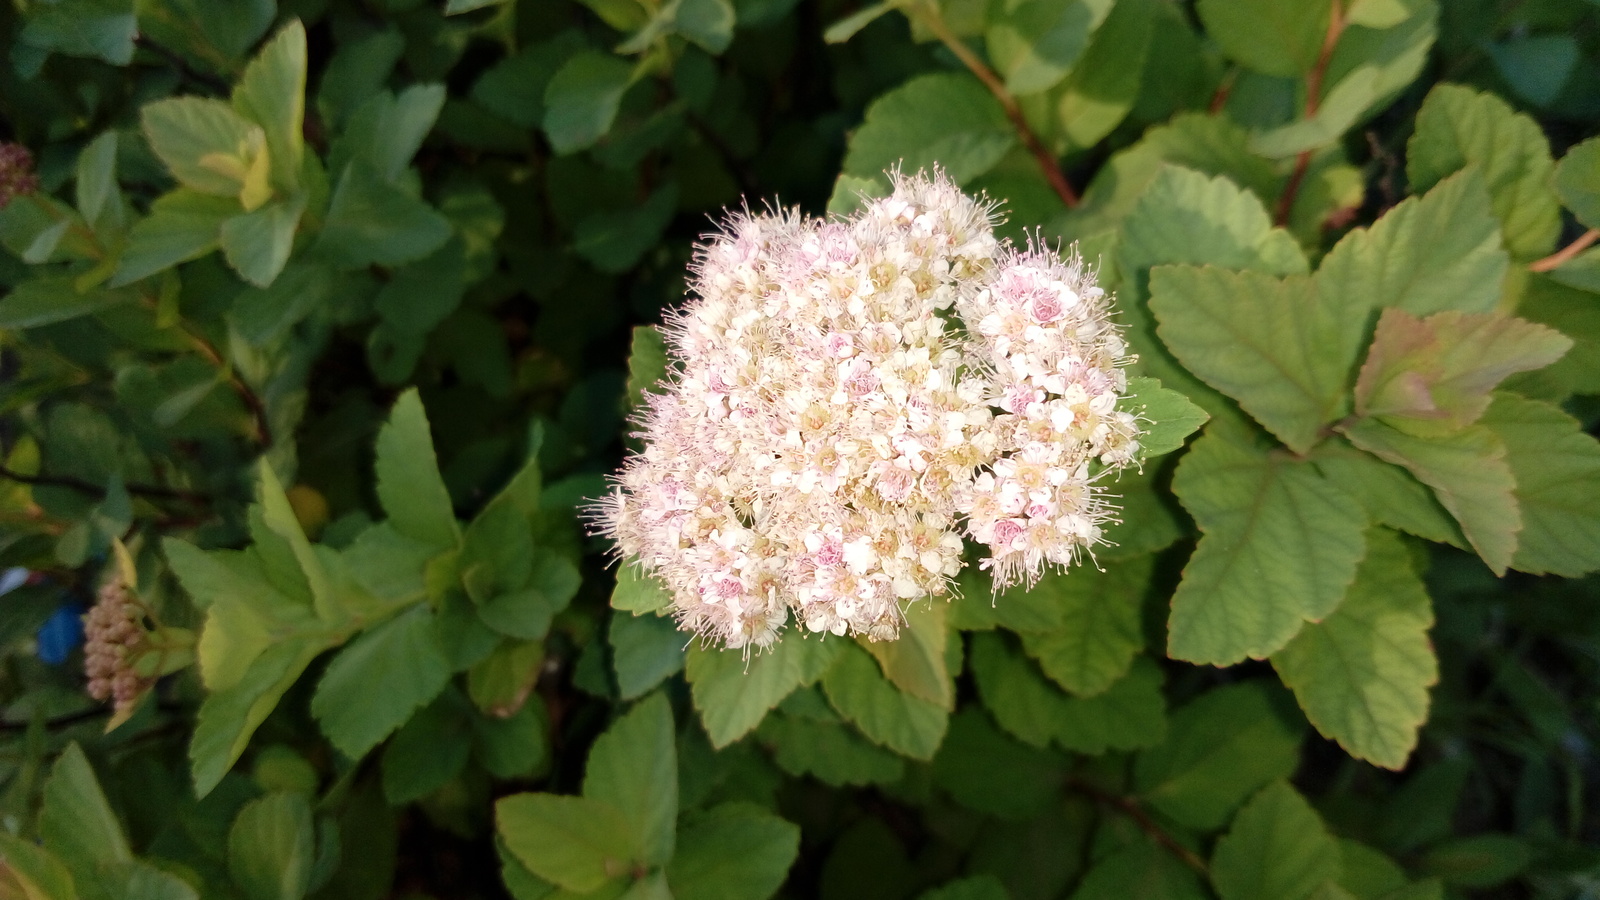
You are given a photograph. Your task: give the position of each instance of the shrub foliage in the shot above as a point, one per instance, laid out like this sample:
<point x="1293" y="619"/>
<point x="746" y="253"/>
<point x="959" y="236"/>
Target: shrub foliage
<point x="323" y="320"/>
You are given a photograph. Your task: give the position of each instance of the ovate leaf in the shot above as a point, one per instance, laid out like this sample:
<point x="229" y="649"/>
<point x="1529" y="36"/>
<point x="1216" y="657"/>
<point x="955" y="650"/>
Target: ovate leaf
<point x="1280" y="348"/>
<point x="1458" y="127"/>
<point x="206" y="144"/>
<point x="645" y="650"/>
<point x="405" y="657"/>
<point x="639" y="592"/>
<point x="1034" y="43"/>
<point x="1277" y="849"/>
<point x="945" y="119"/>
<point x="1577" y="180"/>
<point x="272" y="93"/>
<point x="904" y="723"/>
<point x="582" y="98"/>
<point x="1220" y="748"/>
<point x="1187" y="217"/>
<point x="915" y="662"/>
<point x="371" y="221"/>
<point x="1468" y="473"/>
<point x="1169" y="417"/>
<point x="1274" y="38"/>
<point x="257" y="243"/>
<point x="1431" y="253"/>
<point x="272" y="846"/>
<point x="182" y="225"/>
<point x="1362" y="674"/>
<point x="1100" y="631"/>
<point x="633" y="767"/>
<point x="1557" y="471"/>
<point x="734" y="693"/>
<point x="1279" y="545"/>
<point x="734" y="852"/>
<point x="1438" y="371"/>
<point x="409" y="485"/>
<point x="575" y="842"/>
<point x="75" y="820"/>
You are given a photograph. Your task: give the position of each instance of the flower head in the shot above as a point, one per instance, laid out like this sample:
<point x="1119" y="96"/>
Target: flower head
<point x="17" y="177"/>
<point x="855" y="396"/>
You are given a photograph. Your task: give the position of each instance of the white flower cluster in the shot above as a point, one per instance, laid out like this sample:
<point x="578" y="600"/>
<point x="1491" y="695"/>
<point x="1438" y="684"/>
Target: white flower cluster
<point x="853" y="396"/>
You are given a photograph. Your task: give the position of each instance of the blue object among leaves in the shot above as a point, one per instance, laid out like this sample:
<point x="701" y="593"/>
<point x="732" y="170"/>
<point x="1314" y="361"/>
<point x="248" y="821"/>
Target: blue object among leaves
<point x="60" y="633"/>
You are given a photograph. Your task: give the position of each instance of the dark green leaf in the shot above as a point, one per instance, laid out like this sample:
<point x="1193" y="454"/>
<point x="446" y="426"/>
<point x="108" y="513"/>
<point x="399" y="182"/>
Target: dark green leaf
<point x="404" y="656"/>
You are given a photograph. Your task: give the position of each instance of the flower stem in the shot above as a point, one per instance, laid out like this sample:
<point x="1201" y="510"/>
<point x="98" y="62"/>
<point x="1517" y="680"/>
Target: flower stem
<point x="1561" y="257"/>
<point x="1302" y="163"/>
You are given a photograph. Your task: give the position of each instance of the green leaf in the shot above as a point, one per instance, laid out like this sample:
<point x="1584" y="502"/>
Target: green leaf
<point x="616" y="241"/>
<point x="182" y="225"/>
<point x="645" y="651"/>
<point x="976" y="887"/>
<point x="734" y="852"/>
<point x="1127" y="715"/>
<point x="633" y="767"/>
<point x="708" y="23"/>
<point x="75" y="820"/>
<point x="945" y="119"/>
<point x="1279" y="347"/>
<point x="1458" y="127"/>
<point x="229" y="717"/>
<point x="1104" y="84"/>
<point x="425" y="293"/>
<point x="1434" y="375"/>
<point x="1577" y="181"/>
<point x="1279" y="545"/>
<point x="1368" y="66"/>
<point x="54" y="298"/>
<point x="847" y="27"/>
<point x="1100" y="631"/>
<point x="1468" y="473"/>
<point x="647" y="365"/>
<point x="988" y="771"/>
<point x="405" y="657"/>
<point x="97" y="179"/>
<point x="915" y="662"/>
<point x="371" y="221"/>
<point x="1392" y="496"/>
<point x="1557" y="471"/>
<point x="272" y="93"/>
<point x="40" y="874"/>
<point x="409" y="485"/>
<point x="1221" y="748"/>
<point x="827" y="750"/>
<point x="733" y="692"/>
<point x="514" y="87"/>
<point x="426" y="752"/>
<point x="1168" y="416"/>
<point x="387" y="130"/>
<point x="1282" y="39"/>
<point x="582" y="98"/>
<point x="207" y="146"/>
<point x="271" y="847"/>
<point x="1362" y="674"/>
<point x="1141" y="869"/>
<point x="263" y="316"/>
<point x="1186" y="217"/>
<point x="904" y="723"/>
<point x="1431" y="253"/>
<point x="456" y="7"/>
<point x="1277" y="849"/>
<point x="1034" y="43"/>
<point x="257" y="243"/>
<point x="1479" y="861"/>
<point x="638" y="592"/>
<point x="97" y="29"/>
<point x="576" y="842"/>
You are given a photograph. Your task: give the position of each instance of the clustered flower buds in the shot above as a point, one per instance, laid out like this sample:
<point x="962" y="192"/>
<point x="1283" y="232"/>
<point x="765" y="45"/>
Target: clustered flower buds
<point x="113" y="636"/>
<point x="17" y="177"/>
<point x="853" y="396"/>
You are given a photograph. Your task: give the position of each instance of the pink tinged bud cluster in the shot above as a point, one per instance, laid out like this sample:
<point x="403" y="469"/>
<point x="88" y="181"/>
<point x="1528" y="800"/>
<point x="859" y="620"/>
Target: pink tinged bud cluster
<point x="113" y="636"/>
<point x="852" y="397"/>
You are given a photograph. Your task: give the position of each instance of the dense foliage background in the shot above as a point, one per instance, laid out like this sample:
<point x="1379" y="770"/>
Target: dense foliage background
<point x="323" y="316"/>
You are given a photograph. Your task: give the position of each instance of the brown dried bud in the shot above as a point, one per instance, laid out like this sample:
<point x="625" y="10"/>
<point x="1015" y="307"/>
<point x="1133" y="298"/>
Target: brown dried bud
<point x="17" y="178"/>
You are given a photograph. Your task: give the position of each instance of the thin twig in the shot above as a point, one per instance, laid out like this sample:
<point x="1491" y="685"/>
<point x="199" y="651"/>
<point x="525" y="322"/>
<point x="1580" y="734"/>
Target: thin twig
<point x="928" y="14"/>
<point x="1131" y="808"/>
<point x="152" y="491"/>
<point x="1561" y="257"/>
<point x="182" y="65"/>
<point x="1302" y="163"/>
